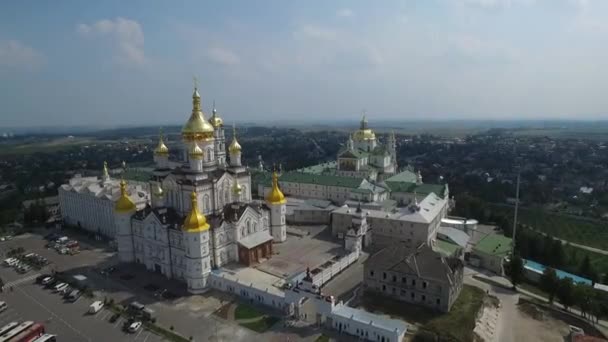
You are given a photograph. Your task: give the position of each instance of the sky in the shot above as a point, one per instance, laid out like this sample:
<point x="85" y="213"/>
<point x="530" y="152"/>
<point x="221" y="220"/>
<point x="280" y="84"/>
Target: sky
<point x="114" y="63"/>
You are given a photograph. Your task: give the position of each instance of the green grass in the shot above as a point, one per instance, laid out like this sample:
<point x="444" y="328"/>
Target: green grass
<point x="261" y="325"/>
<point x="322" y="338"/>
<point x="456" y="325"/>
<point x="244" y="311"/>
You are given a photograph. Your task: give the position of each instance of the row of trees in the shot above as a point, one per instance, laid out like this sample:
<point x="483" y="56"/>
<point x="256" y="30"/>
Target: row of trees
<point x="530" y="244"/>
<point x="592" y="303"/>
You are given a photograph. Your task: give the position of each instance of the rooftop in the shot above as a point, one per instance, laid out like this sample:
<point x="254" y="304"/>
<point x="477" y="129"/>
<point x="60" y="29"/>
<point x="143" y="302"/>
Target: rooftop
<point x="494" y="244"/>
<point x="427" y="211"/>
<point x="422" y="261"/>
<point x="319" y="179"/>
<point x="385" y="323"/>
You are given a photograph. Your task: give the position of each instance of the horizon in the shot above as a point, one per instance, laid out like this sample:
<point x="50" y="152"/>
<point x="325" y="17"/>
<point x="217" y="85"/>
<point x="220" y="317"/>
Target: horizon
<point x="116" y="64"/>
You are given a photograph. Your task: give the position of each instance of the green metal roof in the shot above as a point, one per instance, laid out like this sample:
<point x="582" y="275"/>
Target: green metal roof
<point x="405" y="176"/>
<point x="400" y="186"/>
<point x="310" y="178"/>
<point x="355" y="153"/>
<point x="324" y="168"/>
<point x="494" y="244"/>
<point x="438" y="189"/>
<point x="446" y="248"/>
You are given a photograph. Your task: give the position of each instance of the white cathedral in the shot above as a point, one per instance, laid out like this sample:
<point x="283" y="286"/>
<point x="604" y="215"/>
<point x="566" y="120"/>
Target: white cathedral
<point x="201" y="214"/>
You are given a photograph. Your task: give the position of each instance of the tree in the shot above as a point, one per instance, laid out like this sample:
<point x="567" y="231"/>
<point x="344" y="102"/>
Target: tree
<point x="549" y="283"/>
<point x="515" y="269"/>
<point x="565" y="292"/>
<point x="582" y="297"/>
<point x="586" y="269"/>
<point x="557" y="253"/>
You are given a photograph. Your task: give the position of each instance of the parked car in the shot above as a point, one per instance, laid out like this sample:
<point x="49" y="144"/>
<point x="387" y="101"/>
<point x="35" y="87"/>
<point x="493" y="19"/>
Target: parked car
<point x="41" y="277"/>
<point x="133" y="327"/>
<point x="47" y="280"/>
<point x="95" y="307"/>
<point x="114" y="317"/>
<point x="74" y="295"/>
<point x="51" y="283"/>
<point x="60" y="287"/>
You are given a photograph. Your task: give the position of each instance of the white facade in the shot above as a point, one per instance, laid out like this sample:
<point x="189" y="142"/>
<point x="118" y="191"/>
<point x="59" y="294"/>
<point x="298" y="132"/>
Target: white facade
<point x="88" y="202"/>
<point x="413" y="225"/>
<point x="157" y="236"/>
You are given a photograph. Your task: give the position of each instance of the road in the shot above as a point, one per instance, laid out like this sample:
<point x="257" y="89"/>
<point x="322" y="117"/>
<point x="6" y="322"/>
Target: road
<point x="590" y="249"/>
<point x="509" y="300"/>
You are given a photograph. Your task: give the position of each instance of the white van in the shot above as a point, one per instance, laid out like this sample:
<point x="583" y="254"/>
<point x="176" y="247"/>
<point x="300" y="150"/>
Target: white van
<point x="3" y="306"/>
<point x="10" y="261"/>
<point x="95" y="307"/>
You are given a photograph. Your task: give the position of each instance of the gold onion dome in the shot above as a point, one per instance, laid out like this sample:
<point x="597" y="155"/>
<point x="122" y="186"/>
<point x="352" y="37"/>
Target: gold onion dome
<point x="275" y="196"/>
<point x="236" y="187"/>
<point x="195" y="221"/>
<point x="196" y="152"/>
<point x="364" y="133"/>
<point x="215" y="120"/>
<point x="234" y="145"/>
<point x="161" y="149"/>
<point x="197" y="128"/>
<point x="157" y="190"/>
<point x="124" y="204"/>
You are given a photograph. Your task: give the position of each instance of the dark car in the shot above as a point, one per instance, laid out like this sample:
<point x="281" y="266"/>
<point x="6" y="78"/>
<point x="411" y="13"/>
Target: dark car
<point x="114" y="317"/>
<point x="40" y="277"/>
<point x="127" y="323"/>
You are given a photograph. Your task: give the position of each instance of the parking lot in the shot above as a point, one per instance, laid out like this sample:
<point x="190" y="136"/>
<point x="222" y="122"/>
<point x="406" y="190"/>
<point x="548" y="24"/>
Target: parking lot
<point x="69" y="321"/>
<point x="190" y="315"/>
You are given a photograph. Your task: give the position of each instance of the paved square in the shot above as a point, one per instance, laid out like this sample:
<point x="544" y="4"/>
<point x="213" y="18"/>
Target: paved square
<point x="297" y="253"/>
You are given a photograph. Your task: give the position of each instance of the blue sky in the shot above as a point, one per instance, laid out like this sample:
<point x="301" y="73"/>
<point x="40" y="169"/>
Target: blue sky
<point x="112" y="63"/>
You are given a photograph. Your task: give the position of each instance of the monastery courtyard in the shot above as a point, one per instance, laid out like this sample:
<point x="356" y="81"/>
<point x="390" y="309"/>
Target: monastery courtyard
<point x="299" y="252"/>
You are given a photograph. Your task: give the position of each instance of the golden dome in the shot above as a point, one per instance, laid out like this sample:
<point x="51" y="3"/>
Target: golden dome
<point x="234" y="145"/>
<point x="215" y="120"/>
<point x="157" y="190"/>
<point x="124" y="204"/>
<point x="196" y="152"/>
<point x="161" y="149"/>
<point x="275" y="196"/>
<point x="364" y="134"/>
<point x="195" y="221"/>
<point x="197" y="128"/>
<point x="237" y="188"/>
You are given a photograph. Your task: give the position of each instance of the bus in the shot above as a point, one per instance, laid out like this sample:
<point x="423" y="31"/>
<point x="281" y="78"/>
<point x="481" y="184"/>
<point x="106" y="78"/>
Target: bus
<point x="46" y="338"/>
<point x="8" y="327"/>
<point x="29" y="334"/>
<point x="16" y="331"/>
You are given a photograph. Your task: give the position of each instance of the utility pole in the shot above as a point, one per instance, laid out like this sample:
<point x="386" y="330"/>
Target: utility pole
<point x="515" y="214"/>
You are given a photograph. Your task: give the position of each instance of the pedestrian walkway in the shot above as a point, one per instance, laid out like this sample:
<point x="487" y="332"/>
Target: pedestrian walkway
<point x="20" y="281"/>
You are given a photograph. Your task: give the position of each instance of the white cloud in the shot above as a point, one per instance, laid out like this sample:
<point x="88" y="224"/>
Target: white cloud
<point x="16" y="54"/>
<point x="126" y="36"/>
<point x="497" y="3"/>
<point x="223" y="56"/>
<point x="345" y="13"/>
<point x="316" y="32"/>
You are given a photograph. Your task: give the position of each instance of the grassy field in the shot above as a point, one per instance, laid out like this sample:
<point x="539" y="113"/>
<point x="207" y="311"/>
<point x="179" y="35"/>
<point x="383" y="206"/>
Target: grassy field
<point x="577" y="230"/>
<point x="244" y="311"/>
<point x="261" y="325"/>
<point x="457" y="325"/>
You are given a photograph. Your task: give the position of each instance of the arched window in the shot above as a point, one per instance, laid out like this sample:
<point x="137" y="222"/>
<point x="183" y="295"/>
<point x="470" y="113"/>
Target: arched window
<point x="243" y="232"/>
<point x="227" y="194"/>
<point x="248" y="227"/>
<point x="206" y="203"/>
